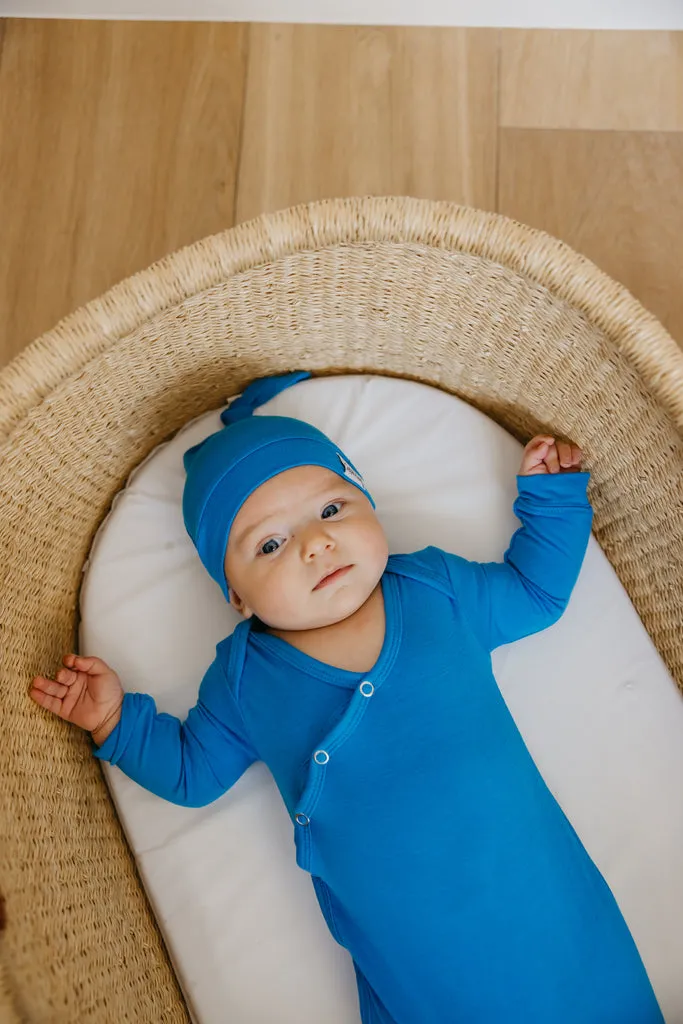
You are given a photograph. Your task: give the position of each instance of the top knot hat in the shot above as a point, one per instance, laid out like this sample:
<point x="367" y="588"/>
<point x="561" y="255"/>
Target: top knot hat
<point x="229" y="465"/>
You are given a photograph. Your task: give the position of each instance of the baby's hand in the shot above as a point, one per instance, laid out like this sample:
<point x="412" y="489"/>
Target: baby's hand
<point x="544" y="455"/>
<point x="87" y="692"/>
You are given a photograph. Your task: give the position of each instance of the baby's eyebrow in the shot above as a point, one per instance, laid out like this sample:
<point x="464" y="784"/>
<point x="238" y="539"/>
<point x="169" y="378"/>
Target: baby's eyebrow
<point x="248" y="530"/>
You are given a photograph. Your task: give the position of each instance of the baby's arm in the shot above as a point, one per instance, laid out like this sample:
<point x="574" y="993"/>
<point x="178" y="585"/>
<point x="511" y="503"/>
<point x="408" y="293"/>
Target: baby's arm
<point x="190" y="763"/>
<point x="529" y="590"/>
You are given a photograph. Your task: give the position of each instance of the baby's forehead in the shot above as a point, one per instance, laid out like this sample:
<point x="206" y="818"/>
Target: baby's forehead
<point x="289" y="490"/>
<point x="294" y="486"/>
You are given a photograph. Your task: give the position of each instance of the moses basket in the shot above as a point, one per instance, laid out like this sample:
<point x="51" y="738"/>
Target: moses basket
<point x="505" y="317"/>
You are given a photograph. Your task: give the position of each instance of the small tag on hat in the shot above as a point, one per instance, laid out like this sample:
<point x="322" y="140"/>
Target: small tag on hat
<point x="351" y="472"/>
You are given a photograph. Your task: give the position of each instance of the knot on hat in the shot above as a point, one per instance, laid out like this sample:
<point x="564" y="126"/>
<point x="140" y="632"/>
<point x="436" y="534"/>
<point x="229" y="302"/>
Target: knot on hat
<point x="258" y="393"/>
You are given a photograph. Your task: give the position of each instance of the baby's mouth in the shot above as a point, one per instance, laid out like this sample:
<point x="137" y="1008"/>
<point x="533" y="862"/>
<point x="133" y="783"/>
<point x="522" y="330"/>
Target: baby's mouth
<point x="332" y="577"/>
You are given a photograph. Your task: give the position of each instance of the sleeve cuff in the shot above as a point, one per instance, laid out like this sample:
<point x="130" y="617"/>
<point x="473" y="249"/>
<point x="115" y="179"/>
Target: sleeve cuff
<point x="105" y="750"/>
<point x="559" y="488"/>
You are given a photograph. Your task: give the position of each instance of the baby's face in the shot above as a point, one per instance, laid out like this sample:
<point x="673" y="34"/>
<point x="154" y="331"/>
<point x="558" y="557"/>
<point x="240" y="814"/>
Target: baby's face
<point x="292" y="532"/>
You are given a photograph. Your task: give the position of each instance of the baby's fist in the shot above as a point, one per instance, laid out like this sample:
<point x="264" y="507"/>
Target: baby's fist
<point x="545" y="455"/>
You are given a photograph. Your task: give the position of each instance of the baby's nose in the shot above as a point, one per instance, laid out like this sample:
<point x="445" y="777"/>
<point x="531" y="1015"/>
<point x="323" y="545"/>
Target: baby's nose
<point x="316" y="541"/>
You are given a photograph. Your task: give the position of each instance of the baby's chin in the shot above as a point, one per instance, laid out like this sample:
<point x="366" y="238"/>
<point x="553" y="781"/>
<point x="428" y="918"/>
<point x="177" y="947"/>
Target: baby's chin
<point x="329" y="611"/>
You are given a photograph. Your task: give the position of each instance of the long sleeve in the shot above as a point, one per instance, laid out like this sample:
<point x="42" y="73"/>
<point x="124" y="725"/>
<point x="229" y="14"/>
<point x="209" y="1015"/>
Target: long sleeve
<point x="192" y="762"/>
<point x="529" y="590"/>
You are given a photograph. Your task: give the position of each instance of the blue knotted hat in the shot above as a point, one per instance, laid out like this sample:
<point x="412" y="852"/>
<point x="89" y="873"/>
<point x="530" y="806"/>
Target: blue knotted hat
<point x="228" y="466"/>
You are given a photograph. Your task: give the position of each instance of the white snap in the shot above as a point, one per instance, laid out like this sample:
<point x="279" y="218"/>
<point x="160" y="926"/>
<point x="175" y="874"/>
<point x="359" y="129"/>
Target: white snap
<point x="302" y="819"/>
<point x="371" y="689"/>
<point x="321" y="757"/>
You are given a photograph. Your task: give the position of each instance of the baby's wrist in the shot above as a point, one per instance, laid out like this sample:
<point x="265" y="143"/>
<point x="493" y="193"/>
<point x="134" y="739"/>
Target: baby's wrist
<point x="107" y="725"/>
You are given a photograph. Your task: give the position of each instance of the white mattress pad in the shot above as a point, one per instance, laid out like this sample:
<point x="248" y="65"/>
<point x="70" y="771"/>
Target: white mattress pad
<point x="591" y="696"/>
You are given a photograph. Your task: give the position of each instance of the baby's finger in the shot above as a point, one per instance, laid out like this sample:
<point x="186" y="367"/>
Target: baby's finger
<point x="539" y="440"/>
<point x="535" y="454"/>
<point x="564" y="454"/>
<point x="93" y="666"/>
<point x="577" y="456"/>
<point x="53" y="704"/>
<point x="77" y="662"/>
<point x="50" y="687"/>
<point x="551" y="460"/>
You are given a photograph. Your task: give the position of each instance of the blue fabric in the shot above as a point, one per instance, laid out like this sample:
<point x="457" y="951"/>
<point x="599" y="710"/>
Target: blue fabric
<point x="226" y="467"/>
<point x="437" y="853"/>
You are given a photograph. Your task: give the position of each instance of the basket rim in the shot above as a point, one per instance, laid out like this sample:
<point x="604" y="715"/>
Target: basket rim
<point x="89" y="330"/>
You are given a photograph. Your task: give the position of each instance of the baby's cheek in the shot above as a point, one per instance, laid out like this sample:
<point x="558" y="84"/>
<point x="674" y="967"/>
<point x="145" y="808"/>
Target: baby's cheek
<point x="277" y="589"/>
<point x="374" y="539"/>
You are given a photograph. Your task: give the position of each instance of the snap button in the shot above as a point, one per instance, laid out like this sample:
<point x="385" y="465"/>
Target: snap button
<point x="323" y="758"/>
<point x="302" y="819"/>
<point x="370" y="691"/>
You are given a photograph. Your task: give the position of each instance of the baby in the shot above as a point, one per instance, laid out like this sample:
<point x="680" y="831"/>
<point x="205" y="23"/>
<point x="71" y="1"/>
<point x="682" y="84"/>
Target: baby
<point x="439" y="857"/>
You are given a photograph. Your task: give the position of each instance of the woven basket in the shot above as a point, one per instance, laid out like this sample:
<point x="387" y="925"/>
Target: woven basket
<point x="506" y="317"/>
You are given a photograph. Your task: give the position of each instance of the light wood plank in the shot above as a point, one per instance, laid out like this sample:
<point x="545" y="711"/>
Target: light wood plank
<point x="614" y="196"/>
<point x="118" y="143"/>
<point x="626" y="81"/>
<point x="340" y="111"/>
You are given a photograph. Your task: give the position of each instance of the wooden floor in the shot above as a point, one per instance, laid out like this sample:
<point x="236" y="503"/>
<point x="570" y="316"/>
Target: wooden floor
<point x="122" y="141"/>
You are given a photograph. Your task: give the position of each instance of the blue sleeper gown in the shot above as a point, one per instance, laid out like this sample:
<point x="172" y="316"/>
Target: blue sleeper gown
<point x="439" y="857"/>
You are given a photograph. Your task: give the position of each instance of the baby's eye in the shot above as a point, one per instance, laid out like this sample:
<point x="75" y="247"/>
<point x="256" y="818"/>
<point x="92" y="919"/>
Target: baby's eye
<point x="270" y="546"/>
<point x="335" y="506"/>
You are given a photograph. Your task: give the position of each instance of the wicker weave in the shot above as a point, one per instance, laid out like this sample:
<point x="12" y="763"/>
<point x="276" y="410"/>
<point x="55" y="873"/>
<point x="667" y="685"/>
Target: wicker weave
<point x="507" y="318"/>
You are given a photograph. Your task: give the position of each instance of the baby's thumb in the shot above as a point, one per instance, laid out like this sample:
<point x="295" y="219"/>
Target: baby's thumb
<point x="92" y="665"/>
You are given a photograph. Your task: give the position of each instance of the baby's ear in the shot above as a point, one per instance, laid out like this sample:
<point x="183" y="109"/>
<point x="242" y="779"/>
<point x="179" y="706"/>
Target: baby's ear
<point x="238" y="604"/>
